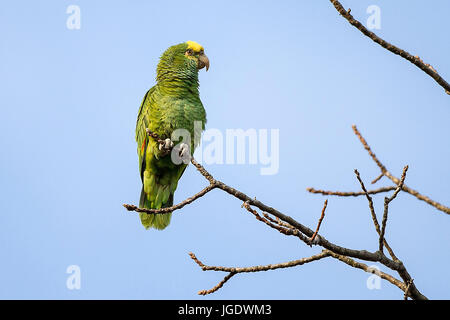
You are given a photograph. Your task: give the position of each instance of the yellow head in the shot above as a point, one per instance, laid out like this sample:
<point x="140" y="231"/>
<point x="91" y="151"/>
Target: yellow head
<point x="194" y="46"/>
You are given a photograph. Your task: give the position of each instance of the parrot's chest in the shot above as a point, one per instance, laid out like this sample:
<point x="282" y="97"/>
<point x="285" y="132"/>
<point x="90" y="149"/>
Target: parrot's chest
<point x="184" y="114"/>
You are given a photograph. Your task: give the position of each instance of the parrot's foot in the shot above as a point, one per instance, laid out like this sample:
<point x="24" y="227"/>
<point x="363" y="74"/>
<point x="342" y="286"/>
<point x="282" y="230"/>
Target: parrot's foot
<point x="181" y="153"/>
<point x="184" y="150"/>
<point x="165" y="146"/>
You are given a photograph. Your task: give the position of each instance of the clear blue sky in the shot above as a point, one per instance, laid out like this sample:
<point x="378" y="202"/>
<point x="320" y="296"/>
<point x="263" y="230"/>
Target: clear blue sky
<point x="69" y="100"/>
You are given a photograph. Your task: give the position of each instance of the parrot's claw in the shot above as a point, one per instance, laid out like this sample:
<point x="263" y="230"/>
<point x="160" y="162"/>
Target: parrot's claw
<point x="181" y="153"/>
<point x="165" y="145"/>
<point x="184" y="150"/>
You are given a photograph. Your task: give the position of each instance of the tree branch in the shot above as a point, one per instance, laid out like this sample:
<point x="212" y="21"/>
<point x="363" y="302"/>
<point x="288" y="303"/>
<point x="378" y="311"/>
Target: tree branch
<point x="386" y="173"/>
<point x="428" y="69"/>
<point x="235" y="270"/>
<point x="349" y="194"/>
<point x="374" y="216"/>
<point x="289" y="226"/>
<point x="366" y="268"/>
<point x="276" y="224"/>
<point x="313" y="237"/>
<point x="386" y="208"/>
<point x="178" y="206"/>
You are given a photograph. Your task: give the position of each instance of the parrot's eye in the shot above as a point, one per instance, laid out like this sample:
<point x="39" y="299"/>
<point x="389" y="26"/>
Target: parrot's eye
<point x="189" y="52"/>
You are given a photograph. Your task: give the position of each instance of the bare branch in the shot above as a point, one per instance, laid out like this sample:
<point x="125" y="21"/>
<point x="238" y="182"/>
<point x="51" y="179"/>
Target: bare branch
<point x="369" y="150"/>
<point x="204" y="173"/>
<point x="279" y="226"/>
<point x="218" y="286"/>
<point x="313" y="237"/>
<point x="366" y="268"/>
<point x="405" y="297"/>
<point x="277" y="221"/>
<point x="235" y="270"/>
<point x="385" y="172"/>
<point x="178" y="206"/>
<point x="386" y="207"/>
<point x="350" y="194"/>
<point x="377" y="178"/>
<point x="428" y="69"/>
<point x="374" y="216"/>
<point x="289" y="226"/>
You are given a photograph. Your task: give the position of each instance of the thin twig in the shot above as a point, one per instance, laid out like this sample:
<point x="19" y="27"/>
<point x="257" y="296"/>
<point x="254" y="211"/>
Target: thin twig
<point x="374" y="216"/>
<point x="277" y="221"/>
<point x="322" y="215"/>
<point x="369" y="150"/>
<point x="218" y="286"/>
<point x="235" y="270"/>
<point x="386" y="208"/>
<point x="350" y="194"/>
<point x="377" y="178"/>
<point x="366" y="268"/>
<point x="428" y="69"/>
<point x="385" y="172"/>
<point x="289" y="231"/>
<point x="178" y="206"/>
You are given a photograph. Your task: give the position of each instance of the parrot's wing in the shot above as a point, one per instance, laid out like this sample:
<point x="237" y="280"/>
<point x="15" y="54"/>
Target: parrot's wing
<point x="142" y="124"/>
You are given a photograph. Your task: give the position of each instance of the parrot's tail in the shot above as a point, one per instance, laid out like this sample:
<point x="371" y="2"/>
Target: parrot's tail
<point x="157" y="221"/>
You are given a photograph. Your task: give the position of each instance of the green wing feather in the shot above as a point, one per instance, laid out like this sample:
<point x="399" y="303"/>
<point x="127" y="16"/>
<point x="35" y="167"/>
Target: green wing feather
<point x="159" y="175"/>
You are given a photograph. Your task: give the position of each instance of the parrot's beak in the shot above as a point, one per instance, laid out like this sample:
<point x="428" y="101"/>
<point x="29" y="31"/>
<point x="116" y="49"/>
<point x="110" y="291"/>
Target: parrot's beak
<point x="203" y="61"/>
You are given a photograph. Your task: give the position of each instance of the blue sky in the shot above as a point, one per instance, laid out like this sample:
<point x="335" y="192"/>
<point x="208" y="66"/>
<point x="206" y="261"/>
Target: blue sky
<point x="68" y="156"/>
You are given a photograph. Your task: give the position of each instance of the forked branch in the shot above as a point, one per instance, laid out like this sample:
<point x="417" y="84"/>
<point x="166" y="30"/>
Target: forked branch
<point x="235" y="270"/>
<point x="384" y="173"/>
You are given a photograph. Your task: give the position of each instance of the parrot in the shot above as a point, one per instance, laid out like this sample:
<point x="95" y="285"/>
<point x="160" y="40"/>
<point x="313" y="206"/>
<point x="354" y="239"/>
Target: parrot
<point x="172" y="103"/>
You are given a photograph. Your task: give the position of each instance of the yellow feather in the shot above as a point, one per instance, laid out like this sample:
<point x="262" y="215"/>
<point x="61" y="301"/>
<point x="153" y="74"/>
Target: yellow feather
<point x="194" y="46"/>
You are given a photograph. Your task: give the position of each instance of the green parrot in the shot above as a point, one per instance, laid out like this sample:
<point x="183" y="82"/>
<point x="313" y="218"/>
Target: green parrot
<point x="173" y="103"/>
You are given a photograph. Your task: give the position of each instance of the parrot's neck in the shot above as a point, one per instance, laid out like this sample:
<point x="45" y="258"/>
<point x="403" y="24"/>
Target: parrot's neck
<point x="176" y="86"/>
<point x="177" y="79"/>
